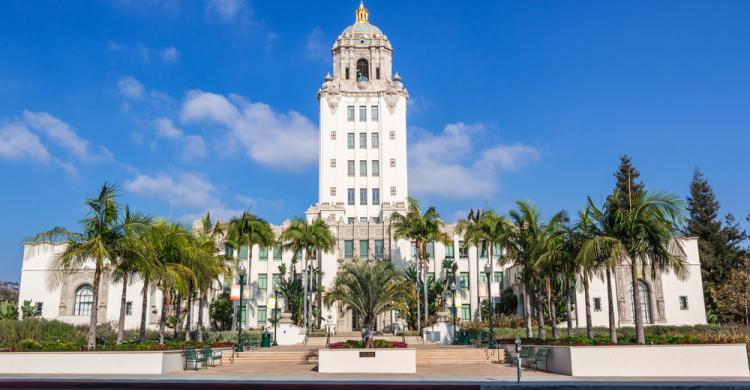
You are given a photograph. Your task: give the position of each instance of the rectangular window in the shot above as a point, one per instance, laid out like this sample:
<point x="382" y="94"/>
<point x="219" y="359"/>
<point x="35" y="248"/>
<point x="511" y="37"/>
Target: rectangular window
<point x="228" y="252"/>
<point x="333" y="163"/>
<point x="348" y="249"/>
<point x="262" y="315"/>
<point x="40" y="306"/>
<point x="449" y="251"/>
<point x="597" y="304"/>
<point x="376" y="196"/>
<point x="483" y="278"/>
<point x="128" y="308"/>
<point x="350" y="196"/>
<point x="465" y="312"/>
<point x="363" y="140"/>
<point x="350" y="220"/>
<point x="431" y="250"/>
<point x="375" y="168"/>
<point x="276" y="282"/>
<point x="464" y="280"/>
<point x="482" y="250"/>
<point x="363" y="113"/>
<point x="363" y="168"/>
<point x="413" y="250"/>
<point x="374" y="113"/>
<point x="379" y="249"/>
<point x="350" y="168"/>
<point x="350" y="113"/>
<point x="363" y="220"/>
<point x="264" y="249"/>
<point x="498" y="277"/>
<point x="333" y="191"/>
<point x="277" y="252"/>
<point x="392" y="134"/>
<point x="363" y="196"/>
<point x="463" y="251"/>
<point x="375" y="140"/>
<point x="376" y="220"/>
<point x="377" y="73"/>
<point x="350" y="140"/>
<point x="243" y="252"/>
<point x="262" y="283"/>
<point x="393" y="163"/>
<point x="243" y="316"/>
<point x="347" y="75"/>
<point x="363" y="249"/>
<point x="683" y="302"/>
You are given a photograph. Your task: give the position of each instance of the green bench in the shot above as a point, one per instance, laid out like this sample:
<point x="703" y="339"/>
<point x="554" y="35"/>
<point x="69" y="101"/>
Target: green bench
<point x="212" y="356"/>
<point x="193" y="358"/>
<point x="542" y="355"/>
<point x="526" y="353"/>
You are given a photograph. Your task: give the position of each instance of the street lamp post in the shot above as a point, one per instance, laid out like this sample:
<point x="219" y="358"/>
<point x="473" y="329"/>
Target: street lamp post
<point x="275" y="310"/>
<point x="488" y="271"/>
<point x="455" y="314"/>
<point x="243" y="272"/>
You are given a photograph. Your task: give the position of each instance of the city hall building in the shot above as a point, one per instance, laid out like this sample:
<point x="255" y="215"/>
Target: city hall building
<point x="363" y="181"/>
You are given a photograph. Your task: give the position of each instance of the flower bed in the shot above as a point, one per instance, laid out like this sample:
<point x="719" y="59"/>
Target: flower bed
<point x="358" y="344"/>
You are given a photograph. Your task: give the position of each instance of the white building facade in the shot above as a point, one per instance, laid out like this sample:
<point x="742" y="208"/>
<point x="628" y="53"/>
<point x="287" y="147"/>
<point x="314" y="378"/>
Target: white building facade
<point x="362" y="182"/>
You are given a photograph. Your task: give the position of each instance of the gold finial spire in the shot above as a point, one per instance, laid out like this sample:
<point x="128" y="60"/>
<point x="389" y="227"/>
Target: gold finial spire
<point x="361" y="13"/>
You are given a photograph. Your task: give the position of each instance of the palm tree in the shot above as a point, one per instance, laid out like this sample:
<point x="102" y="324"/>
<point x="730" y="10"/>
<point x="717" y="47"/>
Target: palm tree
<point x="129" y="257"/>
<point x="312" y="239"/>
<point x="486" y="227"/>
<point x="291" y="289"/>
<point x="642" y="235"/>
<point x="247" y="230"/>
<point x="423" y="229"/>
<point x="97" y="243"/>
<point x="526" y="245"/>
<point x="368" y="289"/>
<point x="208" y="265"/>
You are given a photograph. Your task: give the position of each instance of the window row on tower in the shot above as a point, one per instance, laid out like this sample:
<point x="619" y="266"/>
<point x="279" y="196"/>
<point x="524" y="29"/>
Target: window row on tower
<point x="364" y="249"/>
<point x="374" y="113"/>
<point x="374" y="140"/>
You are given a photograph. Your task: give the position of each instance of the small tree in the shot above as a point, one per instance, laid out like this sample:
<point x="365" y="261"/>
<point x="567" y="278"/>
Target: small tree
<point x="733" y="296"/>
<point x="8" y="311"/>
<point x="220" y="312"/>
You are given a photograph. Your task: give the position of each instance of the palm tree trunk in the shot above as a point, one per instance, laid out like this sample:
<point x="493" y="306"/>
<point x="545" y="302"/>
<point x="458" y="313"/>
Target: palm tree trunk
<point x="177" y="308"/>
<point x="527" y="311"/>
<point x="144" y="309"/>
<point x="319" y="286"/>
<point x="540" y="317"/>
<point x="479" y="299"/>
<point x="94" y="308"/>
<point x="199" y="327"/>
<point x="163" y="318"/>
<point x="552" y="309"/>
<point x="416" y="288"/>
<point x="424" y="290"/>
<point x="304" y="294"/>
<point x="640" y="336"/>
<point x="123" y="304"/>
<point x="189" y="315"/>
<point x="568" y="307"/>
<point x="589" y="330"/>
<point x="611" y="308"/>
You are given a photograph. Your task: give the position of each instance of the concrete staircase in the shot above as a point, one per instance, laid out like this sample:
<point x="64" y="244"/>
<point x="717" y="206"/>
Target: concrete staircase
<point x="298" y="356"/>
<point x="457" y="355"/>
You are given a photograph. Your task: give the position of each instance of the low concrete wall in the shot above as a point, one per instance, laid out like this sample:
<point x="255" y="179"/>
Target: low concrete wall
<point x="151" y="362"/>
<point x="372" y="360"/>
<point x="685" y="360"/>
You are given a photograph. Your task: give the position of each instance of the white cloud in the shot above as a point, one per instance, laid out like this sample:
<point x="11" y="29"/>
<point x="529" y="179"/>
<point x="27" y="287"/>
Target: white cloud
<point x="18" y="143"/>
<point x="130" y="87"/>
<point x="186" y="189"/>
<point x="65" y="136"/>
<point x="316" y="47"/>
<point x="170" y="55"/>
<point x="448" y="165"/>
<point x="286" y="141"/>
<point x="193" y="147"/>
<point x="165" y="128"/>
<point x="229" y="11"/>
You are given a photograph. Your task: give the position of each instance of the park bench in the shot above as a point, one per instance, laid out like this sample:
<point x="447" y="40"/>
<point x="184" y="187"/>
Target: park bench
<point x="193" y="358"/>
<point x="212" y="356"/>
<point x="526" y="352"/>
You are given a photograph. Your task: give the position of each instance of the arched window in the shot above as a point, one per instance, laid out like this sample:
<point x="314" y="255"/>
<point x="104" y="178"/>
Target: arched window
<point x="84" y="300"/>
<point x="363" y="70"/>
<point x="645" y="302"/>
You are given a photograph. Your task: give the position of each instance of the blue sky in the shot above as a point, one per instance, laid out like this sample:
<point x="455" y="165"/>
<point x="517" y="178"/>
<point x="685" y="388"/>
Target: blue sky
<point x="509" y="100"/>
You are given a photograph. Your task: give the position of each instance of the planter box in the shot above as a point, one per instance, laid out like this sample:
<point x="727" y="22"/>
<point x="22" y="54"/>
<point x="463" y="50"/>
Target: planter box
<point x="684" y="360"/>
<point x="371" y="360"/>
<point x="144" y="363"/>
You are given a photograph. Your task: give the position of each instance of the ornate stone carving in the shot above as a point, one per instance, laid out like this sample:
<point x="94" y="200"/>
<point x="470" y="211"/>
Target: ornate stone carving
<point x="331" y="93"/>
